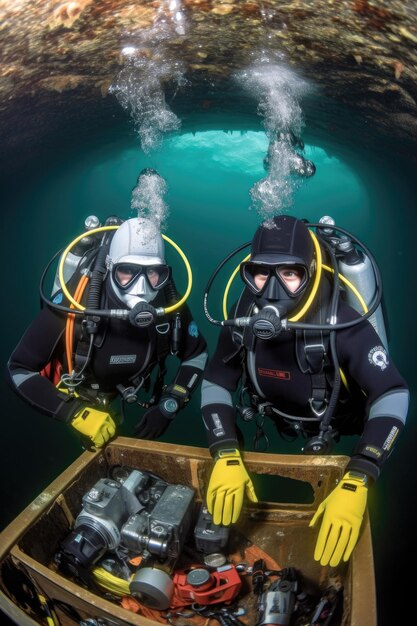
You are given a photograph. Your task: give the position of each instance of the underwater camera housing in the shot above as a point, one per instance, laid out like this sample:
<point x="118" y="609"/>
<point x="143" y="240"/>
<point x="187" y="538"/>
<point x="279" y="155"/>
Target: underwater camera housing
<point x="210" y="538"/>
<point x="141" y="514"/>
<point x="277" y="604"/>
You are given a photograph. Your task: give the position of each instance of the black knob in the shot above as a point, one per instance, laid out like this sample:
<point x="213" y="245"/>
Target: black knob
<point x="266" y="324"/>
<point x="142" y="315"/>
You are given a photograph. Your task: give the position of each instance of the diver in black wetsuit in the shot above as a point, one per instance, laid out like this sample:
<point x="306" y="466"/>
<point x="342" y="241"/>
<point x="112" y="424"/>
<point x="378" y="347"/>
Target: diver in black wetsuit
<point x="74" y="376"/>
<point x="291" y="376"/>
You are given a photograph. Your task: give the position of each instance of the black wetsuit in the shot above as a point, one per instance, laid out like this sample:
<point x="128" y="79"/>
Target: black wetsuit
<point x="122" y="353"/>
<point x="274" y="374"/>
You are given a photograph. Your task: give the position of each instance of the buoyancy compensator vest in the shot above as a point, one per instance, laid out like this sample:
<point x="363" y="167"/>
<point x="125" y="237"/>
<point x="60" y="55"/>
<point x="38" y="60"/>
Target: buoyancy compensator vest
<point x="83" y="267"/>
<point x="315" y="338"/>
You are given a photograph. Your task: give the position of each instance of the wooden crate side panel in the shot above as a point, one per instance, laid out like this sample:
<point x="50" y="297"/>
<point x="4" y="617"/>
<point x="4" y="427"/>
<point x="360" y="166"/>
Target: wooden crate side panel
<point x="58" y="589"/>
<point x="192" y="466"/>
<point x="42" y="503"/>
<point x="362" y="579"/>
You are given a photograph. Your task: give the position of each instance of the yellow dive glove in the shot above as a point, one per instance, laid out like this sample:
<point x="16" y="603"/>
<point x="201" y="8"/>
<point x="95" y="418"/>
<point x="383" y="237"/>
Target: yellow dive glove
<point x="229" y="481"/>
<point x="96" y="425"/>
<point x="342" y="511"/>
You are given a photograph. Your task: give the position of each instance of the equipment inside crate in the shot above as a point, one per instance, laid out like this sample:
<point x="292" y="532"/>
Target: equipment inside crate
<point x="151" y="546"/>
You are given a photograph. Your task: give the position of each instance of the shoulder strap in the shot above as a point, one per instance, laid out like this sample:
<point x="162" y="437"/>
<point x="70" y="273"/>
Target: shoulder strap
<point x="163" y="336"/>
<point x="313" y="353"/>
<point x="168" y="338"/>
<point x="312" y="348"/>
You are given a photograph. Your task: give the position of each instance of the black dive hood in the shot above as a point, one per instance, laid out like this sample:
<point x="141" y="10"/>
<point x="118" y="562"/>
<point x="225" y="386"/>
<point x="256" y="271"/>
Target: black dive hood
<point x="283" y="240"/>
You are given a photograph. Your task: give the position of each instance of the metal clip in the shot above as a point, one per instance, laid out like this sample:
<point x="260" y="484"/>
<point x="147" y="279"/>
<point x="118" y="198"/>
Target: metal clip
<point x="318" y="412"/>
<point x="262" y="406"/>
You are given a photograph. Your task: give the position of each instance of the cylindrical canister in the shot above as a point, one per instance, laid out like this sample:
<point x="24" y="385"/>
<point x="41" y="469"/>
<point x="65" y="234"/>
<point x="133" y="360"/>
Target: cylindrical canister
<point x="361" y="275"/>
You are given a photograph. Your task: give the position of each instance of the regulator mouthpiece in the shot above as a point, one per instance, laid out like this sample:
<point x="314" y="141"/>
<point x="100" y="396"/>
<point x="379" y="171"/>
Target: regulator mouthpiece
<point x="266" y="324"/>
<point x="142" y="315"/>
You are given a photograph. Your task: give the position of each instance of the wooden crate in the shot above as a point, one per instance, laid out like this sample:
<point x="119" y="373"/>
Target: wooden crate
<point x="280" y="529"/>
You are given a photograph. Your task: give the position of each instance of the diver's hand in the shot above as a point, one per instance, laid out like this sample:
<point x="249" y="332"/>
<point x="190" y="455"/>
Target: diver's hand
<point x="342" y="511"/>
<point x="229" y="481"/>
<point x="153" y="424"/>
<point x="97" y="426"/>
<point x="157" y="419"/>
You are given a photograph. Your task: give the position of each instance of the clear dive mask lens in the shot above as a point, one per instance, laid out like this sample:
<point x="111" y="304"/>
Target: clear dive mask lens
<point x="126" y="274"/>
<point x="292" y="277"/>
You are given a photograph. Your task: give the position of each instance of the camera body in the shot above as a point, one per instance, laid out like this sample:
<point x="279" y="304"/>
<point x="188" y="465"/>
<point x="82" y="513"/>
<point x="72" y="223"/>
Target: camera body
<point x="140" y="513"/>
<point x="209" y="537"/>
<point x="163" y="530"/>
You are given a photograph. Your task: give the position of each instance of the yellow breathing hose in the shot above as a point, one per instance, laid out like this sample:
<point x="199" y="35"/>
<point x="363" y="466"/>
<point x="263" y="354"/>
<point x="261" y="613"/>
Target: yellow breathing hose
<point x="229" y="283"/>
<point x="173" y="307"/>
<point x="351" y="287"/>
<point x="101" y="229"/>
<point x="363" y="304"/>
<point x="64" y="255"/>
<point x="316" y="283"/>
<point x="114" y="584"/>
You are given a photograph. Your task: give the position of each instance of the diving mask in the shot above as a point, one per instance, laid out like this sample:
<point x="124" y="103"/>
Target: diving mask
<point x="126" y="274"/>
<point x="277" y="286"/>
<point x="138" y="282"/>
<point x="292" y="278"/>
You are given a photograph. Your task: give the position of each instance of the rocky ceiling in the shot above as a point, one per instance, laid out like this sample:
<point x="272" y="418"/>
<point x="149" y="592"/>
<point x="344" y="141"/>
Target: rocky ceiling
<point x="60" y="58"/>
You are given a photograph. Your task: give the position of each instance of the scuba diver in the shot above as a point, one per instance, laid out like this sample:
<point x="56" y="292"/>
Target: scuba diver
<point x="322" y="377"/>
<point x="125" y="317"/>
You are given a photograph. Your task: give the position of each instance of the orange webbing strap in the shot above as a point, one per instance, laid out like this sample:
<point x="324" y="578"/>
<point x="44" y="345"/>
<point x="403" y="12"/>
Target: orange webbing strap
<point x="69" y="328"/>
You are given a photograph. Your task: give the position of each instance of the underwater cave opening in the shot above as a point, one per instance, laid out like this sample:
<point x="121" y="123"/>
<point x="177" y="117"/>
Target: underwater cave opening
<point x="210" y="165"/>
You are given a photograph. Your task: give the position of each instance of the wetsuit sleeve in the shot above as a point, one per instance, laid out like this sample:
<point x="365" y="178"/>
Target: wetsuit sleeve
<point x="221" y="378"/>
<point x="192" y="353"/>
<point x="42" y="341"/>
<point x="363" y="356"/>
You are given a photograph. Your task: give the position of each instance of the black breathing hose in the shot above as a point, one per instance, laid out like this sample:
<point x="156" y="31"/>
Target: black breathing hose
<point x="334" y="396"/>
<point x="97" y="276"/>
<point x="171" y="292"/>
<point x="121" y="313"/>
<point x="211" y="279"/>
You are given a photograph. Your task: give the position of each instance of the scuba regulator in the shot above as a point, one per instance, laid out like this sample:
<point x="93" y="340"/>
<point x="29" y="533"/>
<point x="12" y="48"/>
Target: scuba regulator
<point x="88" y="257"/>
<point x="81" y="255"/>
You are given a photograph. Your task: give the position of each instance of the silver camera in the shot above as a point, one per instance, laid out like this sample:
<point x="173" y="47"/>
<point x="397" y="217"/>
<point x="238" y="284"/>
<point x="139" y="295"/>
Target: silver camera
<point x="140" y="513"/>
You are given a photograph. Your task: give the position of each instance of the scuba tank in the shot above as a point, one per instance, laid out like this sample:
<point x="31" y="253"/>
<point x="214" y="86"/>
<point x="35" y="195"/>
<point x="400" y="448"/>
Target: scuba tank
<point x="356" y="266"/>
<point x="76" y="254"/>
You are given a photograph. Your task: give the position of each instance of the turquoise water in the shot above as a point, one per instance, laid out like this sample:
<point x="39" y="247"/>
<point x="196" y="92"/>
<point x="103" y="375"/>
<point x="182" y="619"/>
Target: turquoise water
<point x="209" y="176"/>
